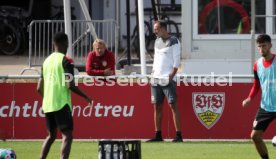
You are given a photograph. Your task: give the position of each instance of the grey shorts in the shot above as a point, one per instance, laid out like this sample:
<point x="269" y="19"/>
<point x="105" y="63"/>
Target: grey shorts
<point x="159" y="92"/>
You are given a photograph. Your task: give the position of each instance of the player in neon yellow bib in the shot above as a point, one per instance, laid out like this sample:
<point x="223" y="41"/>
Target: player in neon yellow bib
<point x="56" y="93"/>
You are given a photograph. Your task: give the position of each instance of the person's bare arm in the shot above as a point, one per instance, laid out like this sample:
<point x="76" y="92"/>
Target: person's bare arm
<point x="40" y="86"/>
<point x="173" y="72"/>
<point x="246" y="102"/>
<point x="71" y="85"/>
<point x="70" y="82"/>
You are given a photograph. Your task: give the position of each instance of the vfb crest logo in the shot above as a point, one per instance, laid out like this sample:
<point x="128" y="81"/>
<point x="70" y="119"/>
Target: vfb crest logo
<point x="208" y="107"/>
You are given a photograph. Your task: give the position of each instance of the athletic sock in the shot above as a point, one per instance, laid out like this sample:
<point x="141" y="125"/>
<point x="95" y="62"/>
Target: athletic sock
<point x="158" y="134"/>
<point x="178" y="133"/>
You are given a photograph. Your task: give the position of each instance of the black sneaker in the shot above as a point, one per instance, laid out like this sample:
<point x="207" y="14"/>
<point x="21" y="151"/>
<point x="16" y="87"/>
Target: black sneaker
<point x="177" y="139"/>
<point x="156" y="139"/>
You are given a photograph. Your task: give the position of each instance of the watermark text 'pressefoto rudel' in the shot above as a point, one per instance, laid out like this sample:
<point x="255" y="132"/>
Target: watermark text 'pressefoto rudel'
<point x="188" y="80"/>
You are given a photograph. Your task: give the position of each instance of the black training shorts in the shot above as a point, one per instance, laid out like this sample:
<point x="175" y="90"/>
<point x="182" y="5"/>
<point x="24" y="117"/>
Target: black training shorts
<point x="263" y="119"/>
<point x="61" y="119"/>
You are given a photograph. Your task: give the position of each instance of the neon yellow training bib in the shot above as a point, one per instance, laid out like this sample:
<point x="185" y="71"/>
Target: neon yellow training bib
<point x="56" y="94"/>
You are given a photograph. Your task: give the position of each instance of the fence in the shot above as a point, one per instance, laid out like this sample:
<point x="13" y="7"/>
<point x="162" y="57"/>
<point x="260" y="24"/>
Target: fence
<point x="41" y="33"/>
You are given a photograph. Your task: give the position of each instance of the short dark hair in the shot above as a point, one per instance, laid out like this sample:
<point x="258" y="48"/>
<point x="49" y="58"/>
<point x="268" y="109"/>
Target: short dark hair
<point x="60" y="38"/>
<point x="162" y="23"/>
<point x="263" y="38"/>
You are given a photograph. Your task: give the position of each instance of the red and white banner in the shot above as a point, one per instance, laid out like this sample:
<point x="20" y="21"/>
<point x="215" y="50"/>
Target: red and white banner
<point x="125" y="112"/>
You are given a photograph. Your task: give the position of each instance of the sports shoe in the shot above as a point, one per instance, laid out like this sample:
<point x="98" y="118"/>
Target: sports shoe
<point x="156" y="139"/>
<point x="177" y="138"/>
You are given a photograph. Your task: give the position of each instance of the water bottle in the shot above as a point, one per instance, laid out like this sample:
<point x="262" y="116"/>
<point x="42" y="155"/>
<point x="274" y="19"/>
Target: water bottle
<point x="107" y="151"/>
<point x="115" y="151"/>
<point x="127" y="151"/>
<point x="100" y="152"/>
<point x="121" y="151"/>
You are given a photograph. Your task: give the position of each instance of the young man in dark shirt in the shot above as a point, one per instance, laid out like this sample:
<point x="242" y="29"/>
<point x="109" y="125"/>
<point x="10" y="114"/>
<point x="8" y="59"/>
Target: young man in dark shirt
<point x="56" y="93"/>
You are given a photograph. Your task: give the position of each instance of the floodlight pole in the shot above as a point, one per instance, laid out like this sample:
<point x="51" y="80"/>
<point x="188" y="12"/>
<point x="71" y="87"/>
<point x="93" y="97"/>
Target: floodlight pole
<point x="142" y="37"/>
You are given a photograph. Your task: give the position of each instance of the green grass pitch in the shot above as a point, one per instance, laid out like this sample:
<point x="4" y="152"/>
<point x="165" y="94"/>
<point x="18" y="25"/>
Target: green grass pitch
<point x="164" y="150"/>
